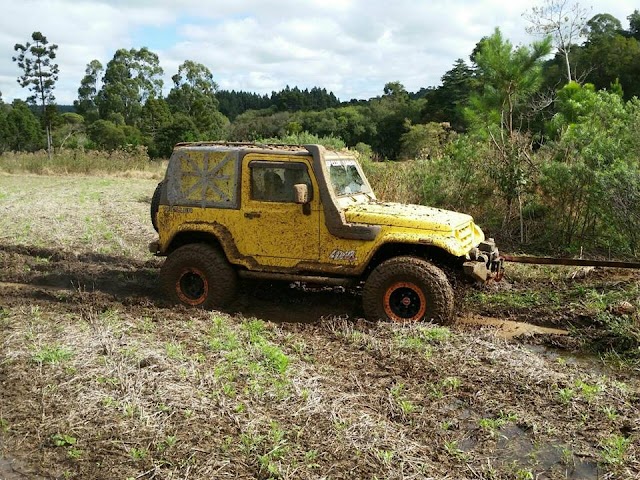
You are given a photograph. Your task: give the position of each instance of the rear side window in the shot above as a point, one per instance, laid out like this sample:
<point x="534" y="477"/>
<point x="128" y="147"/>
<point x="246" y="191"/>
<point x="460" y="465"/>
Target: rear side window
<point x="274" y="181"/>
<point x="203" y="177"/>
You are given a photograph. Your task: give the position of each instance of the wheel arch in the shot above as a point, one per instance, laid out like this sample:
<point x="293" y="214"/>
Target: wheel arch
<point x="193" y="236"/>
<point x="434" y="254"/>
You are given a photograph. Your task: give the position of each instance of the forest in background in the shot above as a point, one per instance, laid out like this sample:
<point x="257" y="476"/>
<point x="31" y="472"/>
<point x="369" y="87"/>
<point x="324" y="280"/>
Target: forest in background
<point x="539" y="142"/>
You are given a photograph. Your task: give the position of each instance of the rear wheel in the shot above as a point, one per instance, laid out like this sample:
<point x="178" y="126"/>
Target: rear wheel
<point x="408" y="289"/>
<point x="198" y="275"/>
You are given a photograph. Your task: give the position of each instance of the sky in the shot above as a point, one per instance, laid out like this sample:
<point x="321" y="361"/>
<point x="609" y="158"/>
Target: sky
<point x="350" y="47"/>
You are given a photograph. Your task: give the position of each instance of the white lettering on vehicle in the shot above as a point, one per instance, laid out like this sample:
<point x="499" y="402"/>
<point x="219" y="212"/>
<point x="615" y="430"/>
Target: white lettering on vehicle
<point x="349" y="255"/>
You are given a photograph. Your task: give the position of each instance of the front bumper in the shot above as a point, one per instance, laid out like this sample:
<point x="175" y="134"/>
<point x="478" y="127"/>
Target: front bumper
<point x="484" y="262"/>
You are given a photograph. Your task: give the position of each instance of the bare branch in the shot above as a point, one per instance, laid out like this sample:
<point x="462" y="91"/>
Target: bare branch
<point x="565" y="22"/>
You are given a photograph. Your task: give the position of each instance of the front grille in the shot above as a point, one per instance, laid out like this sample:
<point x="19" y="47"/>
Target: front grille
<point x="464" y="235"/>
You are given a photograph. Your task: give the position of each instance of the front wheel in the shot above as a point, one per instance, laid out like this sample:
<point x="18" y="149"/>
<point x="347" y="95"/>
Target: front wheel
<point x="408" y="289"/>
<point x="198" y="275"/>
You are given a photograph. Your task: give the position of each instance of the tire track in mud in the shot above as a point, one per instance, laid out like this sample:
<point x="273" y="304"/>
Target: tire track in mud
<point x="69" y="280"/>
<point x="290" y="307"/>
<point x="41" y="276"/>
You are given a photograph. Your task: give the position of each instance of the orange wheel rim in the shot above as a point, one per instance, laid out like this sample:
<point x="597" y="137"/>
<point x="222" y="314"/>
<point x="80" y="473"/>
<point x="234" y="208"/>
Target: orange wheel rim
<point x="405" y="302"/>
<point x="192" y="287"/>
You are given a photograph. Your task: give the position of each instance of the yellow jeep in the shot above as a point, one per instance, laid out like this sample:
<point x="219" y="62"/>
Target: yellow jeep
<point x="301" y="213"/>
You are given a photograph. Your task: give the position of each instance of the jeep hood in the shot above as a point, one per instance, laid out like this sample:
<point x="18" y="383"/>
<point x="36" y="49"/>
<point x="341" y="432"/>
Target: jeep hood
<point x="406" y="216"/>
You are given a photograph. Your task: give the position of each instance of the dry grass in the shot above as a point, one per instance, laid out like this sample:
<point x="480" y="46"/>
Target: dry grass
<point x="122" y="163"/>
<point x="105" y="215"/>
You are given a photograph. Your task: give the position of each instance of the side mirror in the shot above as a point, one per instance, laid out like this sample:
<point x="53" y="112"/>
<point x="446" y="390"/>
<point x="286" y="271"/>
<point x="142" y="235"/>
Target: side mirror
<point x="302" y="193"/>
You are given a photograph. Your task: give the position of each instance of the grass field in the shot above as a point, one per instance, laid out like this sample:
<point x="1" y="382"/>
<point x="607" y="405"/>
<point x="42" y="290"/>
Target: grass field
<point x="101" y="378"/>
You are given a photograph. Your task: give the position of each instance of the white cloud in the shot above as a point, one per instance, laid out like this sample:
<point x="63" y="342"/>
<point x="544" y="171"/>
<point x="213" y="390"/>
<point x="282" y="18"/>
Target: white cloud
<point x="351" y="47"/>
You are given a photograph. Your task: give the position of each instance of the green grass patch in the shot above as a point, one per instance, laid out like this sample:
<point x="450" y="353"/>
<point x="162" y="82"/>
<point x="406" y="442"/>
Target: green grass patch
<point x="519" y="299"/>
<point x="493" y="425"/>
<point x="614" y="449"/>
<point x="51" y="354"/>
<point x="616" y="338"/>
<point x="421" y="338"/>
<point x="247" y="361"/>
<point x="63" y="440"/>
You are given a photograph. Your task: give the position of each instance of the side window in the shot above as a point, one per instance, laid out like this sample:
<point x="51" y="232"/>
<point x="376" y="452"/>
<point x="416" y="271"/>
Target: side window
<point x="274" y="181"/>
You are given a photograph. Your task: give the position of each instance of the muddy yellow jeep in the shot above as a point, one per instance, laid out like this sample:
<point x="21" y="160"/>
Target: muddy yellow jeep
<point x="301" y="213"/>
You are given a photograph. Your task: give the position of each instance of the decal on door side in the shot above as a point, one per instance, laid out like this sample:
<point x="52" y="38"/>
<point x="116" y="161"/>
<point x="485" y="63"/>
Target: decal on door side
<point x="349" y="255"/>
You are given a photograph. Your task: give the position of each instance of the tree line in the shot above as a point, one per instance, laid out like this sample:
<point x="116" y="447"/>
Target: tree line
<point x="122" y="103"/>
<point x="543" y="147"/>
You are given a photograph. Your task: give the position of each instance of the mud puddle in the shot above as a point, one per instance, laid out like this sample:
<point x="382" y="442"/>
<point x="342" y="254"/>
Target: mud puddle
<point x="509" y="329"/>
<point x="12" y="469"/>
<point x="517" y="446"/>
<point x="294" y="303"/>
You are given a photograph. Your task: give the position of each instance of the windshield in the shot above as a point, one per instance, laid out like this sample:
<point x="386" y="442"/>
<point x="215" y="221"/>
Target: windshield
<point x="345" y="177"/>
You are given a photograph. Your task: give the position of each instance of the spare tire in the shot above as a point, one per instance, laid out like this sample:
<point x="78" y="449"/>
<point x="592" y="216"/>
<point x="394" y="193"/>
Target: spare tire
<point x="155" y="205"/>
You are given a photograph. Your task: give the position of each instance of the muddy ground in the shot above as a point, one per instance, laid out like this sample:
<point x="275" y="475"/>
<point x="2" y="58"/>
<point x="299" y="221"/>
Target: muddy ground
<point x="101" y="378"/>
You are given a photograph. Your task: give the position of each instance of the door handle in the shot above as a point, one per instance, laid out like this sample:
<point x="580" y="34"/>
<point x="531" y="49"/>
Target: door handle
<point x="251" y="215"/>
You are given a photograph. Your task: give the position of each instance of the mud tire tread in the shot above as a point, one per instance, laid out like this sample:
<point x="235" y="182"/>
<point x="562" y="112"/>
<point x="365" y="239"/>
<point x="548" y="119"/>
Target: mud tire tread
<point x="155" y="205"/>
<point x="221" y="276"/>
<point x="435" y="286"/>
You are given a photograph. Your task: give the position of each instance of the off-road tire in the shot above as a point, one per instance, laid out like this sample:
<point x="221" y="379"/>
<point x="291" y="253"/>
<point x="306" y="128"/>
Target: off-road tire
<point x="408" y="289"/>
<point x="155" y="205"/>
<point x="199" y="275"/>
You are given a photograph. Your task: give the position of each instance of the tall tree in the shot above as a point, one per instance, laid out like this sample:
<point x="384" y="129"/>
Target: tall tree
<point x="602" y="26"/>
<point x="193" y="94"/>
<point x="614" y="59"/>
<point x="40" y="74"/>
<point x="564" y="21"/>
<point x="131" y="77"/>
<point x="445" y="103"/>
<point x="155" y="116"/>
<point x="86" y="105"/>
<point x="508" y="78"/>
<point x="3" y="126"/>
<point x="634" y="24"/>
<point x="234" y="103"/>
<point x="22" y="130"/>
<point x="389" y="114"/>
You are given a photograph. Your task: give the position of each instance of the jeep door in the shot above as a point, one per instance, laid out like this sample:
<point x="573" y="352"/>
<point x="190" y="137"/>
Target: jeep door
<point x="277" y="231"/>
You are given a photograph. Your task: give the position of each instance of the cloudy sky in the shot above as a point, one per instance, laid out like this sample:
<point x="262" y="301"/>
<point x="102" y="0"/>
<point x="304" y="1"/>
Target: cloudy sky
<point x="350" y="47"/>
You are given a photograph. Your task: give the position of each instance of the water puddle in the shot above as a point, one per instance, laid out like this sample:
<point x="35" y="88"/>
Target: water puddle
<point x="509" y="329"/>
<point x="516" y="446"/>
<point x="12" y="469"/>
